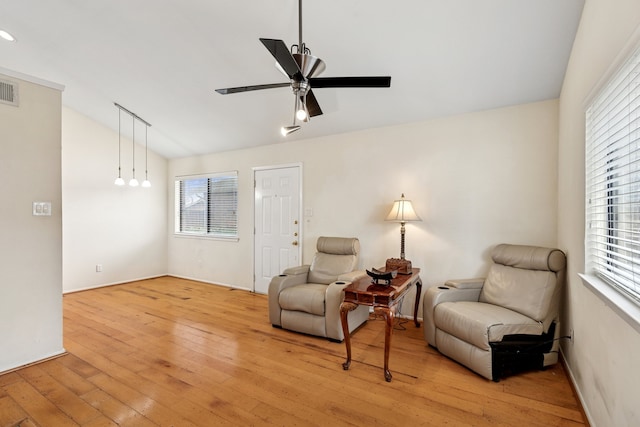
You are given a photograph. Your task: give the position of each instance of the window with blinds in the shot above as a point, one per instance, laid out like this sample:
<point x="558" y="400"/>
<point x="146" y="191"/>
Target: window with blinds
<point x="207" y="205"/>
<point x="612" y="235"/>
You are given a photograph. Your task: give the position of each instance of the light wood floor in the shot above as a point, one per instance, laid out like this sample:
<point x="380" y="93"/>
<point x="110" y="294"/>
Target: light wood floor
<point x="175" y="352"/>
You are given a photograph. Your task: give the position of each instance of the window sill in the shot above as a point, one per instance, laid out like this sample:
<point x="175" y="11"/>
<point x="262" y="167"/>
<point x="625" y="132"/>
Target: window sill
<point x="620" y="304"/>
<point x="206" y="237"/>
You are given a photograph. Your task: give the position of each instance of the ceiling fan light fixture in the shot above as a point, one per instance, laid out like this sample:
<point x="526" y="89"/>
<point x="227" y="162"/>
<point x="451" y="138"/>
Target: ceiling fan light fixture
<point x="300" y="107"/>
<point x="286" y="130"/>
<point x="302" y="115"/>
<point x="6" y="36"/>
<point x="302" y="69"/>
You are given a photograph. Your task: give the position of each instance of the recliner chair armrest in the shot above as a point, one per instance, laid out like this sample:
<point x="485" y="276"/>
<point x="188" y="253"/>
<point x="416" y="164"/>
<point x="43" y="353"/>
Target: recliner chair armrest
<point x="453" y="290"/>
<point x="295" y="271"/>
<point x="465" y="283"/>
<point x="351" y="276"/>
<point x="291" y="276"/>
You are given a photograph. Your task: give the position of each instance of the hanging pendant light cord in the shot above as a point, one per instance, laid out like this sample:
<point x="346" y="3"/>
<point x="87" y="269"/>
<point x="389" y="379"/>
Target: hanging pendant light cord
<point x="134" y="117"/>
<point x="133" y="146"/>
<point x="119" y="145"/>
<point x="146" y="153"/>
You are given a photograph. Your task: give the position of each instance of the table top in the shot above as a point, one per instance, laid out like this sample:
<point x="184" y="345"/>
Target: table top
<point x="364" y="291"/>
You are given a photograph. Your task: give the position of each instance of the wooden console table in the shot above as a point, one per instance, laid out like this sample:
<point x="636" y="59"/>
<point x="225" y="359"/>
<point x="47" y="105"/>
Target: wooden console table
<point x="384" y="300"/>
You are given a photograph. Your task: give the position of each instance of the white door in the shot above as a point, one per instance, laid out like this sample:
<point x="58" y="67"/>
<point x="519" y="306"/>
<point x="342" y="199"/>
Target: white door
<point x="277" y="223"/>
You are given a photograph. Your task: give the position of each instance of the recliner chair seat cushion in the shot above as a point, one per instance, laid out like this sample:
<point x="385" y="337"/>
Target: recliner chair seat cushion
<point x="308" y="297"/>
<point x="481" y="323"/>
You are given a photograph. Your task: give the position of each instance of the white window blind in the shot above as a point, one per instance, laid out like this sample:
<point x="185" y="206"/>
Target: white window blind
<point x="612" y="235"/>
<point x="207" y="205"/>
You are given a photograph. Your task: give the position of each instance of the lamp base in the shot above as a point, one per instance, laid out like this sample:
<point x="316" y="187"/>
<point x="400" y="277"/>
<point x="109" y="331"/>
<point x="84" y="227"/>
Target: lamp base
<point x="403" y="266"/>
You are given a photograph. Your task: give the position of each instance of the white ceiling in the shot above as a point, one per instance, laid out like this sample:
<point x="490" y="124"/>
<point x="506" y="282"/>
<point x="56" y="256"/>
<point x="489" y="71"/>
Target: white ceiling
<point x="162" y="59"/>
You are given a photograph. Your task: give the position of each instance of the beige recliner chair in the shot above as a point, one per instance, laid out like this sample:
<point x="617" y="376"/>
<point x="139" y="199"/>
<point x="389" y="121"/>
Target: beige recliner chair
<point x="307" y="298"/>
<point x="505" y="323"/>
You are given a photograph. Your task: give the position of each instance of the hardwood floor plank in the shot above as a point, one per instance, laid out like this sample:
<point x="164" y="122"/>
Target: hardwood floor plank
<point x="141" y="403"/>
<point x="58" y="394"/>
<point x="125" y="378"/>
<point x="39" y="408"/>
<point x="11" y="414"/>
<point x="121" y="413"/>
<point x="170" y="351"/>
<point x="63" y="375"/>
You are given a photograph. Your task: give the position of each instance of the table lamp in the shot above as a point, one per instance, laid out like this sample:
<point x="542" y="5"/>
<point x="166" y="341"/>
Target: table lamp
<point x="402" y="211"/>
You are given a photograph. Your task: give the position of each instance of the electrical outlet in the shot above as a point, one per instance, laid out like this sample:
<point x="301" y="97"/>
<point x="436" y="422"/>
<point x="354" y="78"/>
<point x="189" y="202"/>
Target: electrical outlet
<point x="98" y="268"/>
<point x="571" y="335"/>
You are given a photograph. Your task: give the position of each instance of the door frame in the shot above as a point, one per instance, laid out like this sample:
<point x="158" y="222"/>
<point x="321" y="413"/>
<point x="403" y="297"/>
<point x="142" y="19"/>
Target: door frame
<point x="255" y="169"/>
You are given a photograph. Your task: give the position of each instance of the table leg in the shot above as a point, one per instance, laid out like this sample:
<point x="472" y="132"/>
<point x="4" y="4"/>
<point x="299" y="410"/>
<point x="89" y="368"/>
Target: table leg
<point x="388" y="314"/>
<point x="415" y="309"/>
<point x="345" y="308"/>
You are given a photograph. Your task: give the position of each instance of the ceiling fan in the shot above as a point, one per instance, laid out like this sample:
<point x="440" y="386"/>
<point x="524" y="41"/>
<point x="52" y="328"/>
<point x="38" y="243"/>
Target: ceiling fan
<point x="302" y="69"/>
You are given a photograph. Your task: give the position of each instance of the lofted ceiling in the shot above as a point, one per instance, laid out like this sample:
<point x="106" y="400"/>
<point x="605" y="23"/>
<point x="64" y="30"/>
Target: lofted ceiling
<point x="163" y="59"/>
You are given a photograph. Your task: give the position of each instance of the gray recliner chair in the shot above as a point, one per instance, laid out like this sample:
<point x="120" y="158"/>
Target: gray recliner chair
<point x="505" y="323"/>
<point x="307" y="298"/>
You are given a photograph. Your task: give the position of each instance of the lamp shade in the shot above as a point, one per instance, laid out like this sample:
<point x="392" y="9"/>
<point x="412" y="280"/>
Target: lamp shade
<point x="402" y="211"/>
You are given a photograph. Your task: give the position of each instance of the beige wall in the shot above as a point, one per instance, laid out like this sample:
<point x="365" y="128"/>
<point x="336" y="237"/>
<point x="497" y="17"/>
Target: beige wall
<point x="31" y="246"/>
<point x="123" y="229"/>
<point x="603" y="358"/>
<point x="476" y="180"/>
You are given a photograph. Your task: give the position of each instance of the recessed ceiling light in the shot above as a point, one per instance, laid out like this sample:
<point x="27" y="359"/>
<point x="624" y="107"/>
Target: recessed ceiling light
<point x="8" y="37"/>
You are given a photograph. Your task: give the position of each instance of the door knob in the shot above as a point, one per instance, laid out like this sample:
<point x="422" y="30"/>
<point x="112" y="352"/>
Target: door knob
<point x="294" y="243"/>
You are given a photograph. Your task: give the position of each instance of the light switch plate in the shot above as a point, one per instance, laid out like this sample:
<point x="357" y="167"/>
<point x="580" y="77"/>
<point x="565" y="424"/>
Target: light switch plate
<point x="42" y="208"/>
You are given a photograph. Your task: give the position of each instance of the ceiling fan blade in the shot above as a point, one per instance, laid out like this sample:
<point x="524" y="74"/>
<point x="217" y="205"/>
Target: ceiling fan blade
<point x="312" y="104"/>
<point x="238" y="89"/>
<point x="369" y="81"/>
<point x="281" y="53"/>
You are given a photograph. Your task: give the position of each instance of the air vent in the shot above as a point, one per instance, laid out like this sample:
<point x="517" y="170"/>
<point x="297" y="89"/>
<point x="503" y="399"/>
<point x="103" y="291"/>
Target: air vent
<point x="8" y="93"/>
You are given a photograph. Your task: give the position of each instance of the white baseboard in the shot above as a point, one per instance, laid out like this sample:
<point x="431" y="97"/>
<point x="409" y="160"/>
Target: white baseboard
<point x="576" y="389"/>
<point x="51" y="356"/>
<point x="104" y="285"/>
<point x="226" y="285"/>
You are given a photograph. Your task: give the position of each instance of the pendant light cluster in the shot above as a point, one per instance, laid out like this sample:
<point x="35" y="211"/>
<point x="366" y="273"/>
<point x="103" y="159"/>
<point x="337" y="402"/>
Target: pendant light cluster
<point x="133" y="182"/>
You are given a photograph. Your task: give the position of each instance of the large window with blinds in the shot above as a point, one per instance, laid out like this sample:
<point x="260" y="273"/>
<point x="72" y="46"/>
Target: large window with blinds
<point x="612" y="235"/>
<point x="207" y="205"/>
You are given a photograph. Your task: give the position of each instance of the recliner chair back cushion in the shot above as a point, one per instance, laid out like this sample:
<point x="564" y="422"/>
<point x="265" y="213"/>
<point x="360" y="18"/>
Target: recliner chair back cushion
<point x="528" y="292"/>
<point x="524" y="279"/>
<point x="335" y="256"/>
